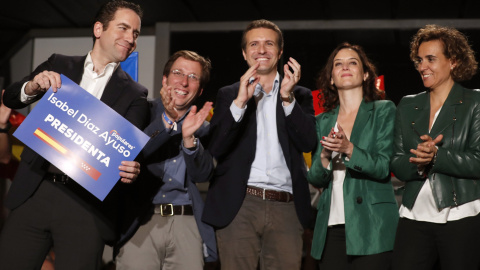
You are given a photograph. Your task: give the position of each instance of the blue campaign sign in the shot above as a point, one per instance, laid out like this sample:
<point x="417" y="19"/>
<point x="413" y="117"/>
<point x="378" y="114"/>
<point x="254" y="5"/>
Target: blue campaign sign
<point x="81" y="136"/>
<point x="130" y="65"/>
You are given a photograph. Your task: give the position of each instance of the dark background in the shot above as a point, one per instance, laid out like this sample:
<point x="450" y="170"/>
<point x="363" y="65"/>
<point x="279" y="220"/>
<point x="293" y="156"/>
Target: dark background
<point x="388" y="48"/>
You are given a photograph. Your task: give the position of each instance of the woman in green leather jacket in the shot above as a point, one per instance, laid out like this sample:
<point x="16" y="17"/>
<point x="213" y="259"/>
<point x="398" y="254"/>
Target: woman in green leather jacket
<point x="357" y="211"/>
<point x="437" y="154"/>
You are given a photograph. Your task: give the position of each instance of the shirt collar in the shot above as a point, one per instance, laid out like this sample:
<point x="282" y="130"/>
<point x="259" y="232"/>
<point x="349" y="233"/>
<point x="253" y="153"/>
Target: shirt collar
<point x="259" y="89"/>
<point x="88" y="65"/>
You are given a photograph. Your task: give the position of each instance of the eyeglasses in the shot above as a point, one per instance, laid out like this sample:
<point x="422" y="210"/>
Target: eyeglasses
<point x="180" y="75"/>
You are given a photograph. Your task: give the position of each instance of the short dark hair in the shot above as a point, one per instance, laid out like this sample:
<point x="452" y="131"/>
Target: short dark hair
<point x="329" y="93"/>
<point x="107" y="12"/>
<point x="192" y="56"/>
<point x="262" y="24"/>
<point x="455" y="47"/>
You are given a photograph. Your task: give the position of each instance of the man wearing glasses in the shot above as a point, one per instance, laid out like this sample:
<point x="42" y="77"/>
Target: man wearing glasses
<point x="169" y="233"/>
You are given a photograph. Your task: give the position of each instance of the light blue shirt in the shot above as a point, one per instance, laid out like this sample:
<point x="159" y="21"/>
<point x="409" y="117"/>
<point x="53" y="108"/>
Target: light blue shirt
<point x="269" y="169"/>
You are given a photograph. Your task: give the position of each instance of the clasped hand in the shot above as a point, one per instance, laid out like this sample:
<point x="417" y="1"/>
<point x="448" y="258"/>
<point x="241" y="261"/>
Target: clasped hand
<point x="425" y="151"/>
<point x="338" y="142"/>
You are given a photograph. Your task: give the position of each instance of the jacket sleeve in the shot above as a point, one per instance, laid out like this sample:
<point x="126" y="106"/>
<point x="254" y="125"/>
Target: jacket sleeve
<point x="462" y="161"/>
<point x="376" y="164"/>
<point x="11" y="98"/>
<point x="400" y="164"/>
<point x="301" y="122"/>
<point x="199" y="165"/>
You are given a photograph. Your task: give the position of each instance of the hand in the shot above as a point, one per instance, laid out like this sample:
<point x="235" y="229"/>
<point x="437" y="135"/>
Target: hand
<point x="327" y="154"/>
<point x="339" y="143"/>
<point x="247" y="87"/>
<point x="169" y="103"/>
<point x="426" y="150"/>
<point x="193" y="121"/>
<point x="290" y="79"/>
<point x="42" y="82"/>
<point x="4" y="113"/>
<point x="129" y="171"/>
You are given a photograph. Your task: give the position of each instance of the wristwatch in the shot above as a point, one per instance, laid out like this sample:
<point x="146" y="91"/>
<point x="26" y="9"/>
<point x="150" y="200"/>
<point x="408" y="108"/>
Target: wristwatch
<point x="7" y="128"/>
<point x="288" y="99"/>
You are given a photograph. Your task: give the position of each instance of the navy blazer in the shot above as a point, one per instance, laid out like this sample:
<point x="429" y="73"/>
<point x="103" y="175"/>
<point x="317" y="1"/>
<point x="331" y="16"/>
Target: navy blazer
<point x="233" y="144"/>
<point x="162" y="146"/>
<point x="122" y="94"/>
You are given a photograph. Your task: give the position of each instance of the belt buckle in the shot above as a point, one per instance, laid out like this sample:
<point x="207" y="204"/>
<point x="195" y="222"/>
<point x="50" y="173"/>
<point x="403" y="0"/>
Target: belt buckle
<point x="263" y="194"/>
<point x="166" y="205"/>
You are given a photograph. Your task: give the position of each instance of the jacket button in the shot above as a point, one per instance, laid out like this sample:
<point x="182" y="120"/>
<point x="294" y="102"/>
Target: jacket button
<point x="359" y="200"/>
<point x="416" y="108"/>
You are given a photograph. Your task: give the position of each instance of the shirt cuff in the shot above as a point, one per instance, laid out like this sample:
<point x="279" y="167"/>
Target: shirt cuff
<point x="24" y="98"/>
<point x="191" y="151"/>
<point x="237" y="113"/>
<point x="288" y="109"/>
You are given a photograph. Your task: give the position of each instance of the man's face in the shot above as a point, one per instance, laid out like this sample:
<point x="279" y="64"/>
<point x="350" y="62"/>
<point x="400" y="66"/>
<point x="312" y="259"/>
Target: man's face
<point x="119" y="40"/>
<point x="262" y="47"/>
<point x="185" y="89"/>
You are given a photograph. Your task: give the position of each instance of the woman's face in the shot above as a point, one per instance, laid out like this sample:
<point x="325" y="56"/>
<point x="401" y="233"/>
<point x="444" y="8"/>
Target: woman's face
<point x="432" y="64"/>
<point x="347" y="72"/>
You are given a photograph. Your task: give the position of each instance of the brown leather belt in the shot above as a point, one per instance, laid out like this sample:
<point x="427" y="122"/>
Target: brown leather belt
<point x="57" y="178"/>
<point x="271" y="195"/>
<point x="169" y="209"/>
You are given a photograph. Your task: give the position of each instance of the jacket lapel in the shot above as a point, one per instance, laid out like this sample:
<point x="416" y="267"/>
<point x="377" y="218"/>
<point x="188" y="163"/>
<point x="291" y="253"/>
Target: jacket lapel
<point x="115" y="87"/>
<point x="329" y="120"/>
<point x="282" y="132"/>
<point x="447" y="115"/>
<point x="75" y="73"/>
<point x="363" y="115"/>
<point x="420" y="115"/>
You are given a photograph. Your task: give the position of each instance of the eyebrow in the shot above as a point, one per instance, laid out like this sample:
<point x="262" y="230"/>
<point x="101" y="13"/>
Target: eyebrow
<point x="129" y="27"/>
<point x="340" y="59"/>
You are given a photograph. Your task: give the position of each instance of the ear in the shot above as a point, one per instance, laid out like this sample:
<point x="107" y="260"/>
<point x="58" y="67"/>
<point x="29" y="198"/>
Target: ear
<point x="244" y="55"/>
<point x="164" y="80"/>
<point x="200" y="92"/>
<point x="97" y="29"/>
<point x="331" y="81"/>
<point x="453" y="64"/>
<point x="280" y="54"/>
<point x="365" y="76"/>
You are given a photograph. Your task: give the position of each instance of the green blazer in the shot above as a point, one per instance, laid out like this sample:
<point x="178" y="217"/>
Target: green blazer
<point x="455" y="176"/>
<point x="371" y="211"/>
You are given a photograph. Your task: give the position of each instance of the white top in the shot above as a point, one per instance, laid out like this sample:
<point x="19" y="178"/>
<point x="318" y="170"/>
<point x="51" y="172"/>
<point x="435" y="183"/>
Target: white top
<point x="425" y="208"/>
<point x="337" y="209"/>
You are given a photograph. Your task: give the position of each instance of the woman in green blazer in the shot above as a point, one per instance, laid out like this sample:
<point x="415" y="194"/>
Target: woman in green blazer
<point x="437" y="154"/>
<point x="357" y="211"/>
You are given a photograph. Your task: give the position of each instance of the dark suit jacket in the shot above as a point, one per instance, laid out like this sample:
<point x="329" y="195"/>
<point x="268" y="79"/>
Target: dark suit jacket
<point x="121" y="93"/>
<point x="164" y="145"/>
<point x="233" y="145"/>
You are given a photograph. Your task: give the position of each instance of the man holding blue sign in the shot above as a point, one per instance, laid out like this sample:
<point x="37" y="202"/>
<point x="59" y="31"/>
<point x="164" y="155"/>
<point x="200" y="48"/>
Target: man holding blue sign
<point x="167" y="232"/>
<point x="47" y="208"/>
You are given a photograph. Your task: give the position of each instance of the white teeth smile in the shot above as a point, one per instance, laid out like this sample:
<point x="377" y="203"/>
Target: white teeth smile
<point x="262" y="59"/>
<point x="427" y="75"/>
<point x="183" y="93"/>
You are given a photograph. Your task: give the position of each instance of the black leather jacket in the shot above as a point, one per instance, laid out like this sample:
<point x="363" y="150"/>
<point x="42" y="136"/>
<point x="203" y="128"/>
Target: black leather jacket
<point x="455" y="175"/>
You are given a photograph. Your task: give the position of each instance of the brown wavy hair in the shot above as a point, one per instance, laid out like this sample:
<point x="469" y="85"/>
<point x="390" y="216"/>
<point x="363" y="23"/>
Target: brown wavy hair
<point x="329" y="93"/>
<point x="455" y="47"/>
